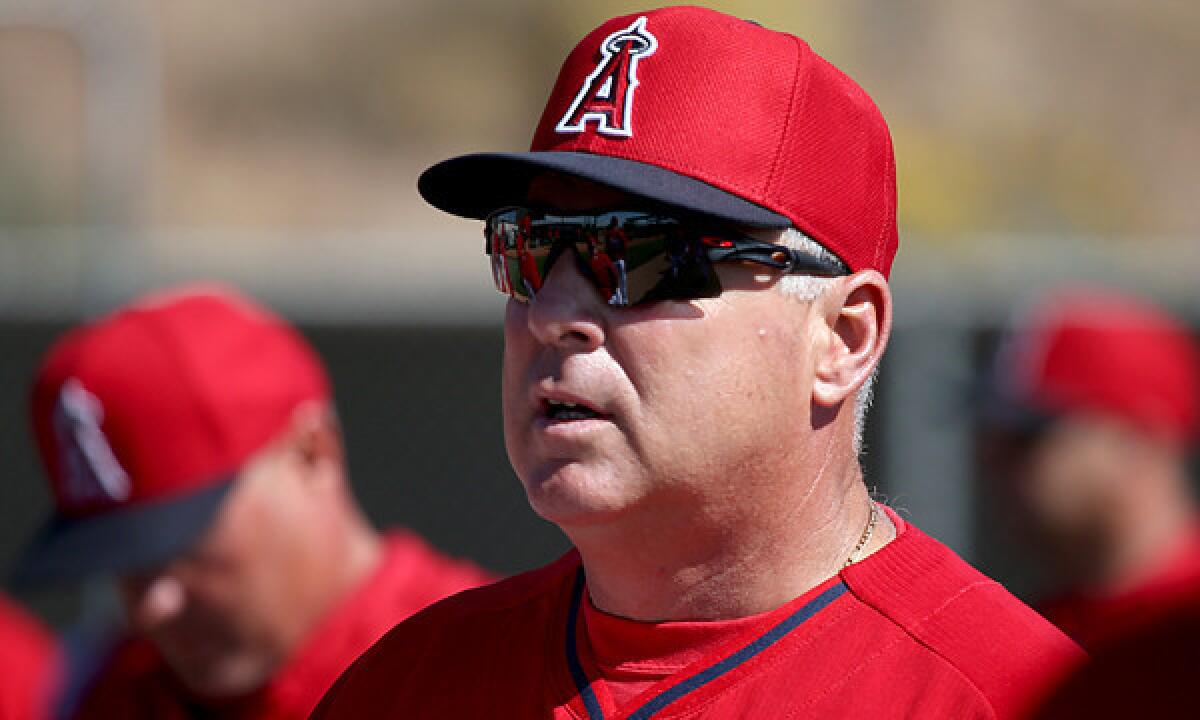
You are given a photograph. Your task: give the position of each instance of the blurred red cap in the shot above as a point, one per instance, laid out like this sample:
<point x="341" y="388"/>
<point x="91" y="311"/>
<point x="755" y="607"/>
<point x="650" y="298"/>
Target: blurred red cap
<point x="144" y="417"/>
<point x="1103" y="351"/>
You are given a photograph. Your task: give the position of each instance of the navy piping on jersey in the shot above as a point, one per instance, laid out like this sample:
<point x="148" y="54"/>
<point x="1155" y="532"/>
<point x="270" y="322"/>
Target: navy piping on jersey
<point x="577" y="674"/>
<point x="700" y="679"/>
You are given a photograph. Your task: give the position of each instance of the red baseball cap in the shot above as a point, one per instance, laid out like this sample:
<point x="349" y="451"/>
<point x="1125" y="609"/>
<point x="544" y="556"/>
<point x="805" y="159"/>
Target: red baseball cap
<point x="1102" y="351"/>
<point x="144" y="418"/>
<point x="709" y="114"/>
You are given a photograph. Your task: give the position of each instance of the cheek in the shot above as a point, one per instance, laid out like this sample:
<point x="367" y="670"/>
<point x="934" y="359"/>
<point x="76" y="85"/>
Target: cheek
<point x="243" y="560"/>
<point x="1041" y="485"/>
<point x="733" y="362"/>
<point x="718" y="386"/>
<point x="1062" y="484"/>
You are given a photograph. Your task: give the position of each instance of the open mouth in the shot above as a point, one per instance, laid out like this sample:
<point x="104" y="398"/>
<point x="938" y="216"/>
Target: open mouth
<point x="563" y="411"/>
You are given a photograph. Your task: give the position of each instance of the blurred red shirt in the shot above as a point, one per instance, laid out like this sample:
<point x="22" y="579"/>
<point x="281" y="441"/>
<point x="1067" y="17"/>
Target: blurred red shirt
<point x="1093" y="620"/>
<point x="28" y="665"/>
<point x="137" y="683"/>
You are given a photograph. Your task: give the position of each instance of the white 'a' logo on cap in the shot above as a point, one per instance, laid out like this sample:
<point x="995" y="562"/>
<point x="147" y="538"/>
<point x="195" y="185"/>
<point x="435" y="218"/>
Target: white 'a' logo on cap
<point x="607" y="94"/>
<point x="89" y="469"/>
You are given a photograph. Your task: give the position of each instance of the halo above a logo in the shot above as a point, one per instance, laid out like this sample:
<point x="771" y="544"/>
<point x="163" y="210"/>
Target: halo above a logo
<point x="606" y="97"/>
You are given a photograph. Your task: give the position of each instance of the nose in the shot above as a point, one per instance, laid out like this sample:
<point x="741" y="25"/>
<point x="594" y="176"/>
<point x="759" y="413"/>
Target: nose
<point x="567" y="311"/>
<point x="152" y="600"/>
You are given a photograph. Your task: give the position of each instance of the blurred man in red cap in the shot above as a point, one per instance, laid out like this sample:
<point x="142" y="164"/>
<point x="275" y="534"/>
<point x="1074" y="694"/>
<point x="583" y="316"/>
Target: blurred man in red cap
<point x="1096" y="403"/>
<point x="193" y="451"/>
<point x="28" y="665"/>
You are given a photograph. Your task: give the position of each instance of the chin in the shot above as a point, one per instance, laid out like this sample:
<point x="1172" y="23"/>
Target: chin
<point x="221" y="679"/>
<point x="570" y="495"/>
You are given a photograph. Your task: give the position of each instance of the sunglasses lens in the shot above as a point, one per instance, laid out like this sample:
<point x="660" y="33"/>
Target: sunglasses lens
<point x="629" y="257"/>
<point x="518" y="255"/>
<point x="673" y="267"/>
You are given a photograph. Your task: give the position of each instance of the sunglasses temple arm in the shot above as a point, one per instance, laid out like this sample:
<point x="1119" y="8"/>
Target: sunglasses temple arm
<point x="782" y="257"/>
<point x="762" y="255"/>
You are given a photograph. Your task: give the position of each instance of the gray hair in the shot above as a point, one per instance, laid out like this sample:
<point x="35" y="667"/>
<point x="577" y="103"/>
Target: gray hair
<point x="807" y="288"/>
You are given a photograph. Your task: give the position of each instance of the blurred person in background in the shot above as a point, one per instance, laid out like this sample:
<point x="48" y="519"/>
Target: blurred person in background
<point x="193" y="451"/>
<point x="28" y="665"/>
<point x="1094" y="405"/>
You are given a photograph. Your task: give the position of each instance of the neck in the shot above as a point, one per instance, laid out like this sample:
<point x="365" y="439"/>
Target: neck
<point x="710" y="561"/>
<point x="364" y="553"/>
<point x="352" y="553"/>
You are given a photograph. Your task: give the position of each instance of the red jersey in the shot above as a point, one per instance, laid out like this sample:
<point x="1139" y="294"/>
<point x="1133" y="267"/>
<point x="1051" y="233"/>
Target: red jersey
<point x="28" y="662"/>
<point x="911" y="631"/>
<point x="1093" y="620"/>
<point x="137" y="683"/>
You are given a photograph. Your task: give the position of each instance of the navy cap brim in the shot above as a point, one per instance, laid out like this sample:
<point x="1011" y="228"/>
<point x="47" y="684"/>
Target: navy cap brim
<point x="475" y="185"/>
<point x="118" y="542"/>
<point x="998" y="409"/>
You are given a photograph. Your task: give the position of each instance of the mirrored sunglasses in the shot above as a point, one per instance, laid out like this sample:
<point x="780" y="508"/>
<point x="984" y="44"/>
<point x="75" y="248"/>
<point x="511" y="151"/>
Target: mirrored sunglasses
<point x="630" y="257"/>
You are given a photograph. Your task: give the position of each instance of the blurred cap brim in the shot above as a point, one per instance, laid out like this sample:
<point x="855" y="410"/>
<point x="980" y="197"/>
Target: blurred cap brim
<point x="998" y="411"/>
<point x="118" y="542"/>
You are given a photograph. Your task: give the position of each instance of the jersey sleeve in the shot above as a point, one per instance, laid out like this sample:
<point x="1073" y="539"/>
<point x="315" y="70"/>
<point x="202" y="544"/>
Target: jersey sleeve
<point x="373" y="684"/>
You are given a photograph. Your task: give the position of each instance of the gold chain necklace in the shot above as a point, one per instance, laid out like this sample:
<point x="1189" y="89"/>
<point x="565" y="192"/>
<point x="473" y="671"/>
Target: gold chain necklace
<point x="865" y="538"/>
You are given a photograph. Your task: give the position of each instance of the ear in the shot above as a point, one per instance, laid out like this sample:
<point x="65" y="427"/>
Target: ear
<point x="857" y="321"/>
<point x="316" y="440"/>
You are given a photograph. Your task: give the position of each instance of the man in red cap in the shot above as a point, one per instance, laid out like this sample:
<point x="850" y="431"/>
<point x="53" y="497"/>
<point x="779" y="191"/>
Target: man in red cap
<point x="28" y="665"/>
<point x="1096" y="403"/>
<point x="696" y="433"/>
<point x="193" y="451"/>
